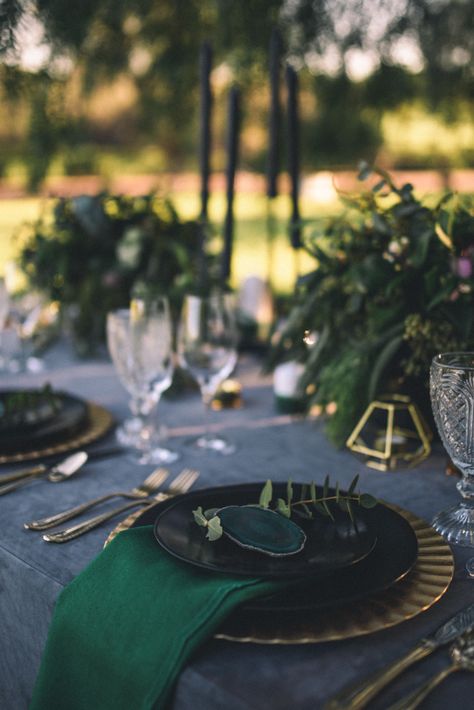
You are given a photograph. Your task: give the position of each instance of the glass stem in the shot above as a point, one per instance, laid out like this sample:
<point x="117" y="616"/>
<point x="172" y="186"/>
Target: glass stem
<point x="142" y="408"/>
<point x="207" y="397"/>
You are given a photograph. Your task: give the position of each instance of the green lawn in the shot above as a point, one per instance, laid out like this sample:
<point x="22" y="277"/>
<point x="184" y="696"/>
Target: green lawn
<point x="251" y="254"/>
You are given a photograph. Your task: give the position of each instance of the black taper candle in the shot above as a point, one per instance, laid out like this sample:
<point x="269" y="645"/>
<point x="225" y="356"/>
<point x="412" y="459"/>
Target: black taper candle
<point x="273" y="162"/>
<point x="293" y="155"/>
<point x="205" y="62"/>
<point x="232" y="156"/>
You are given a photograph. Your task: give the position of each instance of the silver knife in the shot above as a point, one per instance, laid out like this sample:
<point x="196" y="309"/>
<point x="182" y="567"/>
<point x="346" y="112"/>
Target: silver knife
<point x="357" y="696"/>
<point x="55" y="474"/>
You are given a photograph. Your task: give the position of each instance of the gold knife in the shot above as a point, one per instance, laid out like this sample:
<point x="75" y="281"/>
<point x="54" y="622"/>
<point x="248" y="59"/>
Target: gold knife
<point x="359" y="695"/>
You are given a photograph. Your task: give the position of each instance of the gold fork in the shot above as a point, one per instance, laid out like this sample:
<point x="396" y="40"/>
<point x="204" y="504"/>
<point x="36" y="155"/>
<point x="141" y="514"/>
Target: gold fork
<point x="181" y="484"/>
<point x="144" y="490"/>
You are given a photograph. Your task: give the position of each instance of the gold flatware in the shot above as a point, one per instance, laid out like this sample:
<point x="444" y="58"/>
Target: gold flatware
<point x="357" y="696"/>
<point x="181" y="484"/>
<point x="23" y="473"/>
<point x="462" y="659"/>
<point x="55" y="474"/>
<point x="102" y="453"/>
<point x="144" y="490"/>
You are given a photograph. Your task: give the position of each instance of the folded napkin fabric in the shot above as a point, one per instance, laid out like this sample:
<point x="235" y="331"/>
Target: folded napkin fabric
<point x="125" y="627"/>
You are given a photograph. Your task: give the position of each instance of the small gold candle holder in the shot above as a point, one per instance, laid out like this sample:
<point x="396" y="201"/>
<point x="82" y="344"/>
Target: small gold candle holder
<point x="391" y="432"/>
<point x="228" y="396"/>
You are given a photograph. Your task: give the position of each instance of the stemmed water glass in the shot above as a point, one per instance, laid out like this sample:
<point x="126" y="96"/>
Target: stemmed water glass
<point x="452" y="398"/>
<point x="207" y="348"/>
<point x="140" y="344"/>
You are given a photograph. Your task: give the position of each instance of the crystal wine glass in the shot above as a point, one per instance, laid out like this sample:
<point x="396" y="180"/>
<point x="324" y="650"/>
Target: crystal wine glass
<point x="207" y="348"/>
<point x="140" y="344"/>
<point x="452" y="398"/>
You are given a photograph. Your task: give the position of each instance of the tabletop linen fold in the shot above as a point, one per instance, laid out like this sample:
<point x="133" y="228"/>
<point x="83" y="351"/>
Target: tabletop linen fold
<point x="123" y="629"/>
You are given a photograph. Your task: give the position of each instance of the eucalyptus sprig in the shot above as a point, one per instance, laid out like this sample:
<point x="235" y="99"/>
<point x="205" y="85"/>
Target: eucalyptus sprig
<point x="312" y="501"/>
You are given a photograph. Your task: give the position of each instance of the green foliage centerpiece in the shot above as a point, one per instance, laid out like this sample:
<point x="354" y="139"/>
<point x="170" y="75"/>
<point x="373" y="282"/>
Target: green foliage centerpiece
<point x="96" y="250"/>
<point x="393" y="285"/>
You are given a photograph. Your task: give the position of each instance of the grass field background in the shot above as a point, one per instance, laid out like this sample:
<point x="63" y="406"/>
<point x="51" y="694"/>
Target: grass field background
<point x="251" y="251"/>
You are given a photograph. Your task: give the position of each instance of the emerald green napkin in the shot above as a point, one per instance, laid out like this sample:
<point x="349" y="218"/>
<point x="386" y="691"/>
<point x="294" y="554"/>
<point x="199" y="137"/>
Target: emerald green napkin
<point x="125" y="627"/>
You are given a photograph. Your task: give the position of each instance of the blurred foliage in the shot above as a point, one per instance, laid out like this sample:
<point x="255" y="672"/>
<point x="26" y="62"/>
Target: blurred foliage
<point x="98" y="250"/>
<point x="153" y="46"/>
<point x="393" y="285"/>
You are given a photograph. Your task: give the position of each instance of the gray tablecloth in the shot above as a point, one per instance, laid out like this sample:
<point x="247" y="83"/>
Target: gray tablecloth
<point x="224" y="674"/>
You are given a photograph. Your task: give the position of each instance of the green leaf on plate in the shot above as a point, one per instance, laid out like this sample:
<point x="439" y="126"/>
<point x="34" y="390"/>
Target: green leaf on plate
<point x="214" y="529"/>
<point x="199" y="517"/>
<point x="283" y="508"/>
<point x="326" y="487"/>
<point x="266" y="495"/>
<point x="367" y="501"/>
<point x="304" y="492"/>
<point x="353" y="485"/>
<point x="328" y="511"/>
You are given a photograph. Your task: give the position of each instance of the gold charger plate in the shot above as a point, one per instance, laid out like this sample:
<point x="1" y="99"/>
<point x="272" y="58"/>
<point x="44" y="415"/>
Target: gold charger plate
<point x="99" y="422"/>
<point x="423" y="586"/>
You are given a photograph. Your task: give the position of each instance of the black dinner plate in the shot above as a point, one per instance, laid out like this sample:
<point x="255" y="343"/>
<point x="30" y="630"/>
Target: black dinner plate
<point x="329" y="545"/>
<point x="71" y="417"/>
<point x="392" y="557"/>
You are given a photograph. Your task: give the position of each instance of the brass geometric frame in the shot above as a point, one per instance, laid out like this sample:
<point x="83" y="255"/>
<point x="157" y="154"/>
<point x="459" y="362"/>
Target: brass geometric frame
<point x="395" y="438"/>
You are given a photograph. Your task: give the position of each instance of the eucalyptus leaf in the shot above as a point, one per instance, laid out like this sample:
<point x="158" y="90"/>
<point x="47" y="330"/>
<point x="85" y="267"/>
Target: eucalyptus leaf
<point x="328" y="510"/>
<point x="367" y="501"/>
<point x="350" y="510"/>
<point x="353" y="484"/>
<point x="306" y="510"/>
<point x="199" y="517"/>
<point x="266" y="495"/>
<point x="283" y="508"/>
<point x="326" y="487"/>
<point x="320" y="508"/>
<point x="214" y="529"/>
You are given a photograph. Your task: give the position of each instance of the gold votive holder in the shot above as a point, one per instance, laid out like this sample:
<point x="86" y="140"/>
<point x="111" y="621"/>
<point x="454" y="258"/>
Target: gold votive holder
<point x="228" y="396"/>
<point x="391" y="433"/>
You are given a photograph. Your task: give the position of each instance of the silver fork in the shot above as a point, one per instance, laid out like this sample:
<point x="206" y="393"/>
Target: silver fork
<point x="181" y="484"/>
<point x="145" y="489"/>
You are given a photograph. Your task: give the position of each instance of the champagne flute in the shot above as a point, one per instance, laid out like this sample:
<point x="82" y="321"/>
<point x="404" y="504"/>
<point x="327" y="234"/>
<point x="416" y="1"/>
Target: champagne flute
<point x="140" y="344"/>
<point x="207" y="348"/>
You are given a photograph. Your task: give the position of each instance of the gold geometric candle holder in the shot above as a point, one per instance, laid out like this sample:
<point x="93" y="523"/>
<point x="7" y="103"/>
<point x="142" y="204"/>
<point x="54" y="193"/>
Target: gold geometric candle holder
<point x="391" y="432"/>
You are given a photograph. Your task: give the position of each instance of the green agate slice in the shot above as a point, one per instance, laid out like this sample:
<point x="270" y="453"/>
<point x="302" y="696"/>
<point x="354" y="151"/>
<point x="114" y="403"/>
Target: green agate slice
<point x="262" y="530"/>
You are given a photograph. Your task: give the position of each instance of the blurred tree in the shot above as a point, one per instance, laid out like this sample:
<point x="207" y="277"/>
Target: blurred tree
<point x="407" y="48"/>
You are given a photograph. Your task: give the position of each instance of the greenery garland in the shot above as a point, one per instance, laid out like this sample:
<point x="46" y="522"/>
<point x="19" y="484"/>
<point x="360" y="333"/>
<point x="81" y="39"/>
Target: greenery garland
<point x="97" y="250"/>
<point x="393" y="285"/>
